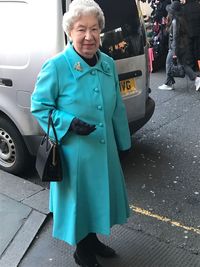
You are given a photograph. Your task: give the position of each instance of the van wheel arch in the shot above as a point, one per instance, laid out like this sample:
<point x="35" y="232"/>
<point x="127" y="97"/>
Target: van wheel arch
<point x="14" y="156"/>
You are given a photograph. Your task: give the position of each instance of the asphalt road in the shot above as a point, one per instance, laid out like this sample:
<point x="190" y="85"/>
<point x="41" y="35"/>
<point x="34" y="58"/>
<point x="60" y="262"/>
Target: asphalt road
<point x="162" y="168"/>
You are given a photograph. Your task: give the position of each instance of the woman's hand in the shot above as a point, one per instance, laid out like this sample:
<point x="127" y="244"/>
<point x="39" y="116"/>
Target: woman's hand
<point x="80" y="127"/>
<point x="174" y="58"/>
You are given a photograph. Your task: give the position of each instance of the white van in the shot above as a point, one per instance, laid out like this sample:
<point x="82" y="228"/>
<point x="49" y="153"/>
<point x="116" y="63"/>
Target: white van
<point x="31" y="31"/>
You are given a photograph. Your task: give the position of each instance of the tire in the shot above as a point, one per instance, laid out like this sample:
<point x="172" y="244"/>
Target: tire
<point x="14" y="156"/>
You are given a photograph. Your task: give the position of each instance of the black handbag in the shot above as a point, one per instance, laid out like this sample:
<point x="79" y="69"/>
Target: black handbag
<point x="177" y="70"/>
<point x="48" y="160"/>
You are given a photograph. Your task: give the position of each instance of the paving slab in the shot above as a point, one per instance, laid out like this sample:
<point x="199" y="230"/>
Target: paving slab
<point x="39" y="201"/>
<point x="16" y="187"/>
<point x="22" y="240"/>
<point x="23" y="210"/>
<point x="12" y="216"/>
<point x="134" y="248"/>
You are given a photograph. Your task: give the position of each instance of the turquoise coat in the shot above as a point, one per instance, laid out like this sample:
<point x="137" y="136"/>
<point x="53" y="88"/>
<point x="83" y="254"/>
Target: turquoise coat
<point x="92" y="195"/>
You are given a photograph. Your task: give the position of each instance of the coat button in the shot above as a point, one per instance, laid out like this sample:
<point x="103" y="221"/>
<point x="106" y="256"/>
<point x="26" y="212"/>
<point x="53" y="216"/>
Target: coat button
<point x="96" y="90"/>
<point x="102" y="141"/>
<point x="93" y="72"/>
<point x="100" y="124"/>
<point x="99" y="107"/>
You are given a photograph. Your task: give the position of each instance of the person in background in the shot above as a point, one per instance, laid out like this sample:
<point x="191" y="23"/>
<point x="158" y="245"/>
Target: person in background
<point x="81" y="86"/>
<point x="178" y="46"/>
<point x="191" y="11"/>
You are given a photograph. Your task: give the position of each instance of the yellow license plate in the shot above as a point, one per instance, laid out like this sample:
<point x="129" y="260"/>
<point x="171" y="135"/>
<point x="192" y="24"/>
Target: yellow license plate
<point x="127" y="87"/>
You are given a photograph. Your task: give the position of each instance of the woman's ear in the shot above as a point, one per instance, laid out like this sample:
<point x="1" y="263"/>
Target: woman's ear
<point x="70" y="38"/>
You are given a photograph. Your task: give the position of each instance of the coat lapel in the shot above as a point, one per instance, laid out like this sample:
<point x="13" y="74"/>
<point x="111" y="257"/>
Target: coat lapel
<point x="80" y="68"/>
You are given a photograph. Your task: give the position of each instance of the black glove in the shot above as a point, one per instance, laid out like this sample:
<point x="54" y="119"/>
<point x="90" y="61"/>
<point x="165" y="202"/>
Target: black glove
<point x="80" y="127"/>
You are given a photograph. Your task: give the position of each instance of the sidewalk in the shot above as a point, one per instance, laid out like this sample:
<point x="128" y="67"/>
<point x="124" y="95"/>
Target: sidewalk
<point x="25" y="236"/>
<point x="23" y="209"/>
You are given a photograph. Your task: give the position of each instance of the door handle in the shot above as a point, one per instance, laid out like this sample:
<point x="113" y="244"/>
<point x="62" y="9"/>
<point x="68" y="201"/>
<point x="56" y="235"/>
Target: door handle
<point x="6" y="82"/>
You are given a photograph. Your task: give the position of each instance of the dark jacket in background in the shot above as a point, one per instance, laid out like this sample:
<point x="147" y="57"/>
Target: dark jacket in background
<point x="192" y="15"/>
<point x="179" y="40"/>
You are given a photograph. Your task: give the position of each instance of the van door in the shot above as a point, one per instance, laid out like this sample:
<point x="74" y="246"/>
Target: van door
<point x="124" y="39"/>
<point x="31" y="31"/>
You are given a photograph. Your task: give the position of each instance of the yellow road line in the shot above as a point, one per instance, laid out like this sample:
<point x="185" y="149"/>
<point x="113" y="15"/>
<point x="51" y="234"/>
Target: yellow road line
<point x="164" y="219"/>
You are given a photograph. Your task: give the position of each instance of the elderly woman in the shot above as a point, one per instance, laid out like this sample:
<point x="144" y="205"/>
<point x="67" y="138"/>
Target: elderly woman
<point x="81" y="86"/>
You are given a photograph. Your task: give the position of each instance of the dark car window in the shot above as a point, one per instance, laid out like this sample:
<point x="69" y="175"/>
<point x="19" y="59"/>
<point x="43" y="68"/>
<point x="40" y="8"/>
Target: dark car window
<point x="123" y="35"/>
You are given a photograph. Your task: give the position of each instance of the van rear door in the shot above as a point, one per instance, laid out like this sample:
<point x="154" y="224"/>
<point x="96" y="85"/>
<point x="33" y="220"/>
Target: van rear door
<point x="124" y="39"/>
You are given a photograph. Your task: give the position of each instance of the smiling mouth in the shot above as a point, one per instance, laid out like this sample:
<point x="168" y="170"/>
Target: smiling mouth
<point x="89" y="45"/>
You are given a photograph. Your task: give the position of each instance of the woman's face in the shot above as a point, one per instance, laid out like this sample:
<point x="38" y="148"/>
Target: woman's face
<point x="85" y="36"/>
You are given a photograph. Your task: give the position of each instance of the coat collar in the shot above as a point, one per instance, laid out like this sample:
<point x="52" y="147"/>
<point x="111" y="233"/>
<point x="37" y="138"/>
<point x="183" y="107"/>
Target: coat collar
<point x="79" y="67"/>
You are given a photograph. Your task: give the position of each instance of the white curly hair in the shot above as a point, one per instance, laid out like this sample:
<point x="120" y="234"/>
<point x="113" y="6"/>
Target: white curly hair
<point x="80" y="8"/>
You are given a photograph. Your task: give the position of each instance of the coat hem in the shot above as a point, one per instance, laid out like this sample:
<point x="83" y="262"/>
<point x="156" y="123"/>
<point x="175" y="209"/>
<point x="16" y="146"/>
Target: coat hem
<point x="100" y="232"/>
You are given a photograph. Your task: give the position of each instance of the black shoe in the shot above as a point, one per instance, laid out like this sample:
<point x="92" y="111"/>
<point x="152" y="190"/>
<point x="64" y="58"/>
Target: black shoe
<point x="100" y="248"/>
<point x="86" y="260"/>
<point x="104" y="251"/>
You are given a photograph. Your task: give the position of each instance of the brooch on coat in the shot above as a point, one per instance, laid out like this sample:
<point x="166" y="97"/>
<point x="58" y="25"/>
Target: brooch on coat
<point x="77" y="66"/>
<point x="105" y="66"/>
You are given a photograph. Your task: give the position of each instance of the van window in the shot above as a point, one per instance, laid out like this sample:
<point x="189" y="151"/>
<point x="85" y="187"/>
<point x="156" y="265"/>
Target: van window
<point x="14" y="37"/>
<point x="123" y="35"/>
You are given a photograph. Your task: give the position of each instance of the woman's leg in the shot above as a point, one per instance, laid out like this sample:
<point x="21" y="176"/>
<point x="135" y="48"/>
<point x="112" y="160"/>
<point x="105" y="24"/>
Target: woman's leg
<point x="168" y="84"/>
<point x="193" y="76"/>
<point x="84" y="254"/>
<point x="189" y="71"/>
<point x="100" y="248"/>
<point x="169" y="61"/>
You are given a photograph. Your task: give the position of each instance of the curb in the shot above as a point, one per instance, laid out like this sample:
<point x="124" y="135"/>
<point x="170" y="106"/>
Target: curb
<point x="19" y="195"/>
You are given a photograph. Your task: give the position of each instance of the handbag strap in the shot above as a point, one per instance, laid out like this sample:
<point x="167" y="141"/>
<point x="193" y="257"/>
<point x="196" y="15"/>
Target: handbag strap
<point x="50" y="123"/>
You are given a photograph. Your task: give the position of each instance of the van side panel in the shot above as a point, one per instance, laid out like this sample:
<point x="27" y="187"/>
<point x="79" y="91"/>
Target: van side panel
<point x="23" y="51"/>
<point x="135" y="103"/>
